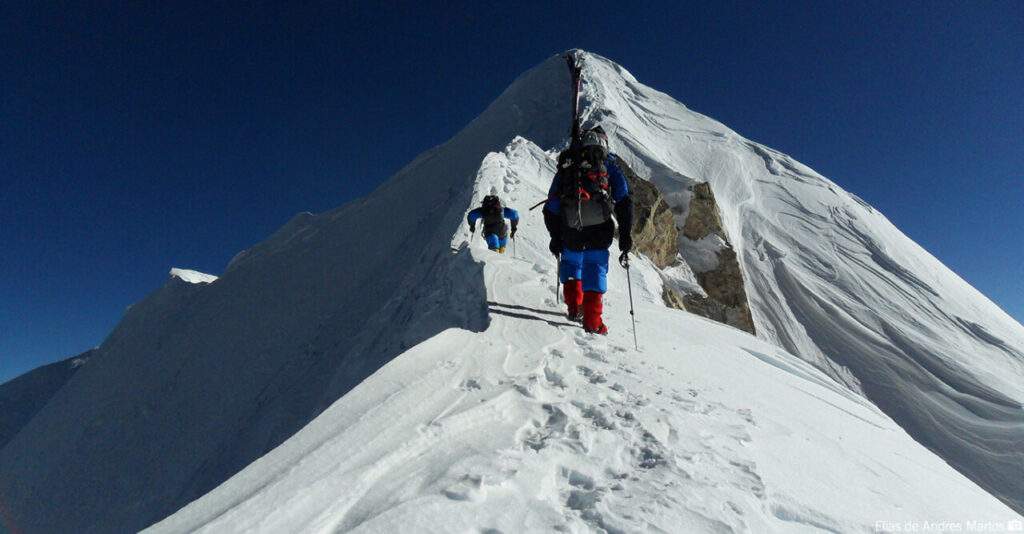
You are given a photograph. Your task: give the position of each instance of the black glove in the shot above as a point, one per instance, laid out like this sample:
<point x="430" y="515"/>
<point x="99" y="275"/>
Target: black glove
<point x="624" y="260"/>
<point x="555" y="246"/>
<point x="553" y="223"/>
<point x="472" y="228"/>
<point x="513" y="234"/>
<point x="625" y="242"/>
<point x="624" y="215"/>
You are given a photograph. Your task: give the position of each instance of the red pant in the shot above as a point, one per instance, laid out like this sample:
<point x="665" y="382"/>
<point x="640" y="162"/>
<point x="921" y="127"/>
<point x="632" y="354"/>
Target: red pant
<point x="589" y="302"/>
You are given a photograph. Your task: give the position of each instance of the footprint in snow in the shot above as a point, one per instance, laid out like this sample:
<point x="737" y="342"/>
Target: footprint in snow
<point x="637" y="400"/>
<point x="469" y="385"/>
<point x="529" y="388"/>
<point x="592" y="376"/>
<point x="686" y="404"/>
<point x="553" y="377"/>
<point x="596" y="415"/>
<point x="536" y="434"/>
<point x="649" y="458"/>
<point x="577" y="479"/>
<point x="627" y="417"/>
<point x="467" y="488"/>
<point x="583" y="496"/>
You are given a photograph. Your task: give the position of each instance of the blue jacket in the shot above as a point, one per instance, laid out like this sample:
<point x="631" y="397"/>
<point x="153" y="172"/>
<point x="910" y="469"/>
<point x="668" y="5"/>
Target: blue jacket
<point x="477" y="214"/>
<point x="496" y="227"/>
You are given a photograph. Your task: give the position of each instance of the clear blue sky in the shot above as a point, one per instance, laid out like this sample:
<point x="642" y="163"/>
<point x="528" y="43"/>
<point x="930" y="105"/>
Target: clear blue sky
<point x="140" y="137"/>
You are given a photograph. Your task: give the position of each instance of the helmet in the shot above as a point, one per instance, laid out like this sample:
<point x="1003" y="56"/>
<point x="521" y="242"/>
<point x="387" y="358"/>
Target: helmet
<point x="595" y="137"/>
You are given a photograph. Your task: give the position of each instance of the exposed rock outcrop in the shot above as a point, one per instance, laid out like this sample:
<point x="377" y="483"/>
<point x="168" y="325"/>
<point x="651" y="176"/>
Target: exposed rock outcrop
<point x="654" y="229"/>
<point x="703" y="218"/>
<point x="706" y="246"/>
<point x="726" y="299"/>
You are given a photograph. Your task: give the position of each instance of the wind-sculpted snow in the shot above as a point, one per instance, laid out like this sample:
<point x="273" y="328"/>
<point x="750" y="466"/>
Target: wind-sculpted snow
<point x="199" y="380"/>
<point x="534" y="426"/>
<point x="193" y="277"/>
<point x="833" y="281"/>
<point x="500" y="415"/>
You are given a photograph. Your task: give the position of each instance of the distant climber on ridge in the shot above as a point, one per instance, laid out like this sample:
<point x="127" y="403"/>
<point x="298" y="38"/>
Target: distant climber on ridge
<point x="495" y="230"/>
<point x="587" y="188"/>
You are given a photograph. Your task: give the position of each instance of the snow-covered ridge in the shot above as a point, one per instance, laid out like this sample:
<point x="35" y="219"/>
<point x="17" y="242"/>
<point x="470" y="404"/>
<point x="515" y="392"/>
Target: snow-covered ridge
<point x="534" y="426"/>
<point x="22" y="397"/>
<point x="832" y="280"/>
<point x="200" y="380"/>
<point x="192" y="277"/>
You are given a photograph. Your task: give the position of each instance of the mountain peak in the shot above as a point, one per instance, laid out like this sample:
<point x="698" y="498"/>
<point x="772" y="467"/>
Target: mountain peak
<point x="533" y="425"/>
<point x="445" y="379"/>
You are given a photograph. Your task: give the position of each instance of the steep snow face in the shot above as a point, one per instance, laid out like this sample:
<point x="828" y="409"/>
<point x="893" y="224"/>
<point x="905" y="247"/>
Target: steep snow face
<point x="200" y="379"/>
<point x="534" y="426"/>
<point x="832" y="280"/>
<point x="22" y="397"/>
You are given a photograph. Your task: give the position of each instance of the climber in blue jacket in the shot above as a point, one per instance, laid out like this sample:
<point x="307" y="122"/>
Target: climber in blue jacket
<point x="588" y="188"/>
<point x="495" y="231"/>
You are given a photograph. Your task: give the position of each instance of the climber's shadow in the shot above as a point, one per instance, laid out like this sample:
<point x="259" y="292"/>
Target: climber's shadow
<point x="505" y="309"/>
<point x="525" y="308"/>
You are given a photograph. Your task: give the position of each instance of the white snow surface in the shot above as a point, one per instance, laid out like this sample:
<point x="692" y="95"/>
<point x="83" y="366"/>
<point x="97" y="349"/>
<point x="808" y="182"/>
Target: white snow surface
<point x="534" y="426"/>
<point x="831" y="280"/>
<point x="192" y="277"/>
<point x="199" y="380"/>
<point x="391" y="379"/>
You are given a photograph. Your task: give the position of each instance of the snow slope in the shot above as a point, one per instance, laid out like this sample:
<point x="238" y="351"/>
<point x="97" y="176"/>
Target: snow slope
<point x="22" y="397"/>
<point x="201" y="379"/>
<point x="198" y="380"/>
<point x="832" y="280"/>
<point x="534" y="426"/>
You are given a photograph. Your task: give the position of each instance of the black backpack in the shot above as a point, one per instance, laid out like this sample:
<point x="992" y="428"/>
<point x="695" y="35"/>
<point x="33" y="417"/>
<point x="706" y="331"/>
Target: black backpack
<point x="493" y="215"/>
<point x="583" y="188"/>
<point x="491" y="207"/>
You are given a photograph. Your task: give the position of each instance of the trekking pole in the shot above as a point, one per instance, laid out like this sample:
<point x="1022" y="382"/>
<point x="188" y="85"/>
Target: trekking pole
<point x="514" y="255"/>
<point x="558" y="279"/>
<point x="624" y="261"/>
<point x="537" y="205"/>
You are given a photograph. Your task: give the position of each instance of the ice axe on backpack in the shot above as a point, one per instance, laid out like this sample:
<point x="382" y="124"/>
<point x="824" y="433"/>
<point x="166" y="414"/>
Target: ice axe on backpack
<point x="575" y="72"/>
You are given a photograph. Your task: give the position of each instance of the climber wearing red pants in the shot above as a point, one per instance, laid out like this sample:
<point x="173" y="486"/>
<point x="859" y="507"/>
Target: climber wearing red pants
<point x="587" y="189"/>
